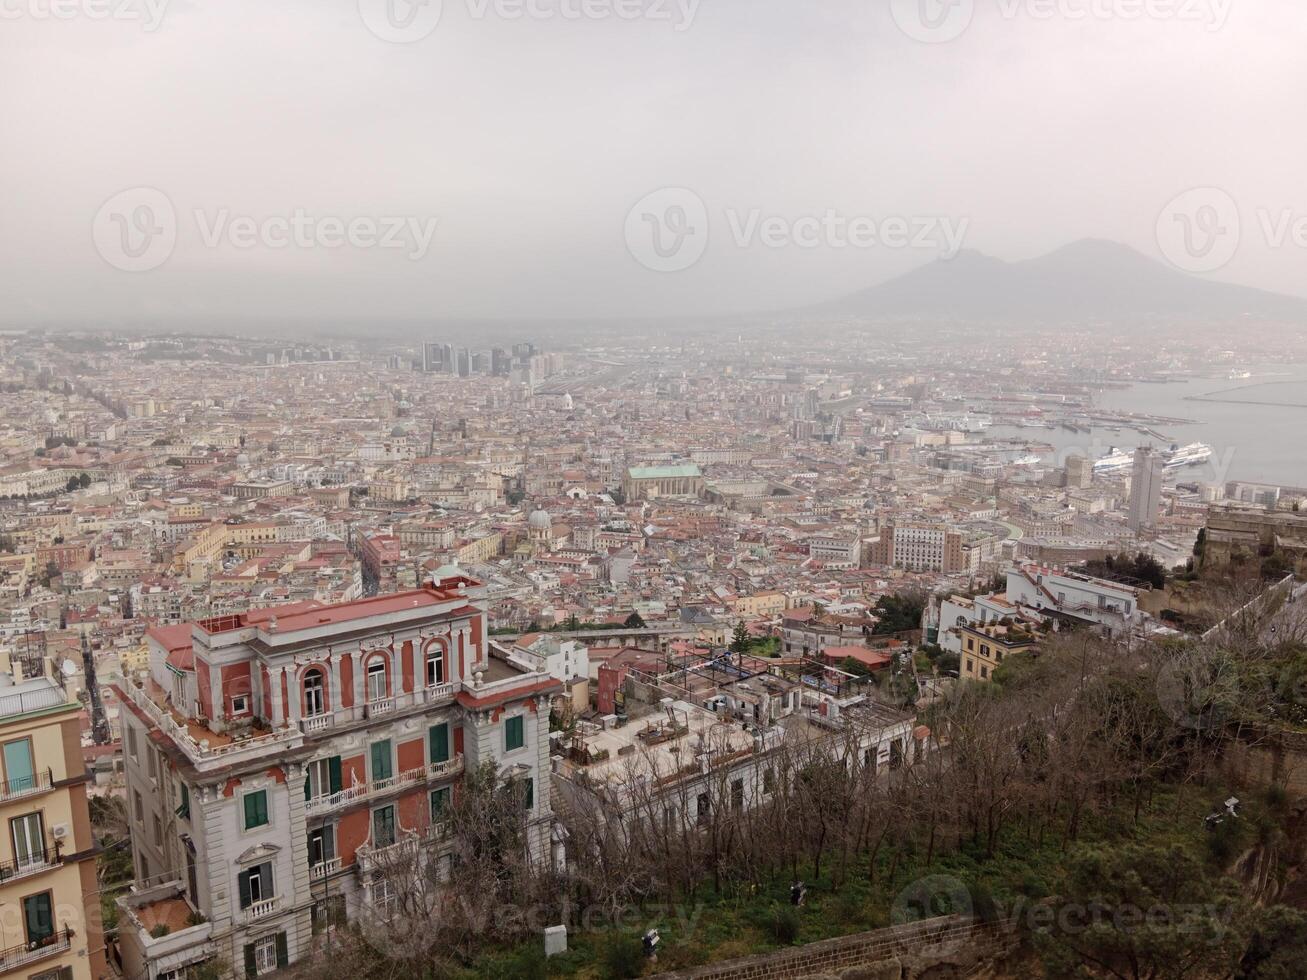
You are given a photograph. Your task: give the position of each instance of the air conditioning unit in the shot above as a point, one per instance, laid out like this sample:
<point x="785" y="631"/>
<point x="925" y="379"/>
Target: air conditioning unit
<point x="60" y="831"/>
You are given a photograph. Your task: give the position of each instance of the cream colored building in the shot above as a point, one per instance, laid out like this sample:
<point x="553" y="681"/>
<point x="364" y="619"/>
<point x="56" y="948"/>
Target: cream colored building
<point x="47" y="857"/>
<point x="770" y="603"/>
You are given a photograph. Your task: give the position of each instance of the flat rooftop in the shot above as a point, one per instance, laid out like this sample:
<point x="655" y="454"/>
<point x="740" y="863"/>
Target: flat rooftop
<point x="652" y="747"/>
<point x="309" y="615"/>
<point x="33" y="694"/>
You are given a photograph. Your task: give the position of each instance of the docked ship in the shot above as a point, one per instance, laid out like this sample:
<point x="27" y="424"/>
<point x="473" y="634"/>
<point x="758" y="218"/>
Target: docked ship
<point x="1194" y="454"/>
<point x="1114" y="462"/>
<point x="1118" y="461"/>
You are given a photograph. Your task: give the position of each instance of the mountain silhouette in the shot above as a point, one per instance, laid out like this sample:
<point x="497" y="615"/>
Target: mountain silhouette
<point x="1088" y="279"/>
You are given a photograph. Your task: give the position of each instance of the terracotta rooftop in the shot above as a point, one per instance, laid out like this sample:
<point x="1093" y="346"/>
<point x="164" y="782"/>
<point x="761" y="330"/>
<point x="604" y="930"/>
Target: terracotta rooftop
<point x="308" y="615"/>
<point x="170" y="912"/>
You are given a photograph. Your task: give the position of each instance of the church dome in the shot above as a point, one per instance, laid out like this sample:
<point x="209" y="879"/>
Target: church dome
<point x="540" y="520"/>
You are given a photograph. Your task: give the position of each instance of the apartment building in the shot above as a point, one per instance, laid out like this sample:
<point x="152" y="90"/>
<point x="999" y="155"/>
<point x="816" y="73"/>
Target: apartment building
<point x="679" y="762"/>
<point x="836" y="550"/>
<point x="278" y="762"/>
<point x="771" y="603"/>
<point x="47" y="860"/>
<point x="919" y="546"/>
<point x="1055" y="592"/>
<point x="985" y="645"/>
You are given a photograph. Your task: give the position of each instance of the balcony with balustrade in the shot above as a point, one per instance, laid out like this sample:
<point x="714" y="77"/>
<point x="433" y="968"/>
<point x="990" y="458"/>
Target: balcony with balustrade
<point x="433" y="773"/>
<point x="261" y="909"/>
<point x="324" y="869"/>
<point x="206" y="749"/>
<point x="432" y="696"/>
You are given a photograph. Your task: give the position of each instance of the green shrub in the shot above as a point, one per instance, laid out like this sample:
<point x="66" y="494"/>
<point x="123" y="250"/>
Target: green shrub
<point x="785" y="925"/>
<point x="623" y="958"/>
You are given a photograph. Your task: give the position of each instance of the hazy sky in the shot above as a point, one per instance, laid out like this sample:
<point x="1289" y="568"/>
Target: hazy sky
<point x="528" y="140"/>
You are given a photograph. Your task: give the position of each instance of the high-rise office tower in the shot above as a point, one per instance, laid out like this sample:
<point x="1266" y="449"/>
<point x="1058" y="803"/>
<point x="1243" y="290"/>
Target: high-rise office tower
<point x="1145" y="488"/>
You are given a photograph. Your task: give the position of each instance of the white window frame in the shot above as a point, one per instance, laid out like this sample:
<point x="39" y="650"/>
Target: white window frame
<point x="436" y="658"/>
<point x="320" y="691"/>
<point x="319" y="775"/>
<point x="384" y="897"/>
<point x="265" y="954"/>
<point x="254" y="876"/>
<point x="32" y="839"/>
<point x="371" y="672"/>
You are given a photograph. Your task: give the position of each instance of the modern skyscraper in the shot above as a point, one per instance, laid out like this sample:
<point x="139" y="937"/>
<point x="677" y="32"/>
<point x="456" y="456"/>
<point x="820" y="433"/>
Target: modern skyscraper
<point x="1145" y="488"/>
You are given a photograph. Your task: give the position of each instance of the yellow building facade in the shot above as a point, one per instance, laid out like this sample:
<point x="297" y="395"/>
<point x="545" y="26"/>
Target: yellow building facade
<point x="47" y="857"/>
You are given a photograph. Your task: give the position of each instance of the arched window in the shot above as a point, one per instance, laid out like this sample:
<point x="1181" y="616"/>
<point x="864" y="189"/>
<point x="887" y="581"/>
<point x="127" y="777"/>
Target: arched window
<point x="315" y="693"/>
<point x="377" y="680"/>
<point x="435" y="665"/>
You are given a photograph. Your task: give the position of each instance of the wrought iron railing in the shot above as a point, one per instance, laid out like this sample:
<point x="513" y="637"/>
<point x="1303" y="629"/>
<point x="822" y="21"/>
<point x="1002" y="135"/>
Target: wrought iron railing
<point x="46" y="857"/>
<point x="16" y="956"/>
<point x="39" y="782"/>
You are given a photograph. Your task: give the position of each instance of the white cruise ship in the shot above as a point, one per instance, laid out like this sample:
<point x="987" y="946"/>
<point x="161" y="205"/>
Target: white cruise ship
<point x="1194" y="454"/>
<point x="1119" y="460"/>
<point x="1115" y="461"/>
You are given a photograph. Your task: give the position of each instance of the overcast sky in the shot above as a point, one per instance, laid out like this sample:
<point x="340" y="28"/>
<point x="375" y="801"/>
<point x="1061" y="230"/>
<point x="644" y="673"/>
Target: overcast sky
<point x="528" y="141"/>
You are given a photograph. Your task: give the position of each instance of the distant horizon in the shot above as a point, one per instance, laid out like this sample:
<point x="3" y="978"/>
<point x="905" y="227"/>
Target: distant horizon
<point x="817" y="309"/>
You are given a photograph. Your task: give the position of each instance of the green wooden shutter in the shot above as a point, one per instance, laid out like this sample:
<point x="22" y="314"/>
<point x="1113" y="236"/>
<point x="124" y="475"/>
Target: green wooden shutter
<point x="282" y="957"/>
<point x="252" y="809"/>
<point x="514" y="733"/>
<point x="440" y="743"/>
<point x="439" y="803"/>
<point x="336" y="782"/>
<point x="39" y="915"/>
<point x="381" y="760"/>
<point x="251" y="968"/>
<point x="308" y="794"/>
<point x="243" y="882"/>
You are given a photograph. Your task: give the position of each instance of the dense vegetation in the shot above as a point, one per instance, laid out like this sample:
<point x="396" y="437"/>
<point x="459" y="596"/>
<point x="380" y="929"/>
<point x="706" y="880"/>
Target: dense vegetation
<point x="1140" y="570"/>
<point x="1069" y="800"/>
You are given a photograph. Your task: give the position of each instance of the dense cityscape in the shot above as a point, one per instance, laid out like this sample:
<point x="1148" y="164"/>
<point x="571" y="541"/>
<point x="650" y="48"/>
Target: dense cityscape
<point x="653" y="490"/>
<point x="288" y="603"/>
